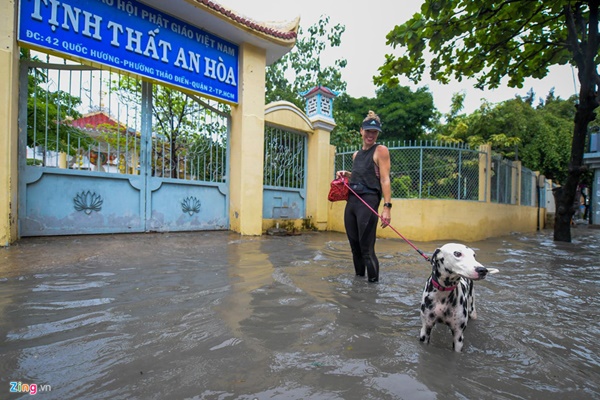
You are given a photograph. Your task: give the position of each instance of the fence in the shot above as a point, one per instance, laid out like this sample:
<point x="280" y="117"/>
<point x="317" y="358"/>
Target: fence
<point x="435" y="170"/>
<point x="83" y="118"/>
<point x="285" y="158"/>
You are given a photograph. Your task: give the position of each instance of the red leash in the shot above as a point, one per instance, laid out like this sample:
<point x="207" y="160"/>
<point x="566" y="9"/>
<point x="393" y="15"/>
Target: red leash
<point x="387" y="224"/>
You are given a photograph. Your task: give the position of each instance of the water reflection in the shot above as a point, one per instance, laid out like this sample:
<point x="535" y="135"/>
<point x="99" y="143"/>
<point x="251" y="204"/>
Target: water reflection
<point x="218" y="316"/>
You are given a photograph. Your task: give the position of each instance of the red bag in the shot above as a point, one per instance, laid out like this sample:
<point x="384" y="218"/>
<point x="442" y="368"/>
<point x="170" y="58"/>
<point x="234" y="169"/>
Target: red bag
<point x="338" y="190"/>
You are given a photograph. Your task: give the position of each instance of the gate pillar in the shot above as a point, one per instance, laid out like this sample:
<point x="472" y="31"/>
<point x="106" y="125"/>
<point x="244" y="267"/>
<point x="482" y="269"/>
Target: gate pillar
<point x="319" y="175"/>
<point x="9" y="70"/>
<point x="485" y="175"/>
<point x="321" y="155"/>
<point x="247" y="144"/>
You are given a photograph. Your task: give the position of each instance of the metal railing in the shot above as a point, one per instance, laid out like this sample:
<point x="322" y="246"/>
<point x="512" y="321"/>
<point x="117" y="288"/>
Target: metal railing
<point x="502" y="180"/>
<point x="528" y="187"/>
<point x="434" y="170"/>
<point x="284" y="158"/>
<point x="428" y="169"/>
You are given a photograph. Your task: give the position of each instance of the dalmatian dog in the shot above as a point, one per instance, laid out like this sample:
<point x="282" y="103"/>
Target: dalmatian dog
<point x="448" y="294"/>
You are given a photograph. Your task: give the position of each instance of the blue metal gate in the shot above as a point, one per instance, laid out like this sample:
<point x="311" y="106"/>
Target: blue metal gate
<point x="101" y="152"/>
<point x="284" y="177"/>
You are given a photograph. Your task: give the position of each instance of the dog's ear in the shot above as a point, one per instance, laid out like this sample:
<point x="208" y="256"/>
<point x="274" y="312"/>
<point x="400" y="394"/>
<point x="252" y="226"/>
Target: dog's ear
<point x="434" y="258"/>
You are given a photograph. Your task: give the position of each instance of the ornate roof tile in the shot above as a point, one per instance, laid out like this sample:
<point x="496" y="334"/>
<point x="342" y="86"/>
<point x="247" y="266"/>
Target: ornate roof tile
<point x="280" y="30"/>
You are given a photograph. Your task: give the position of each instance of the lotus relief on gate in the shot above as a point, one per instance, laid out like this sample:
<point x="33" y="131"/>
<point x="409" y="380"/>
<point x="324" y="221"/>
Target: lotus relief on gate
<point x="190" y="205"/>
<point x="87" y="202"/>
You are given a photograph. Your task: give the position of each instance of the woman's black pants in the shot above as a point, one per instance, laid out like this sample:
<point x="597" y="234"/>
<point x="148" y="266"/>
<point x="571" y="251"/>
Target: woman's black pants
<point x="361" y="229"/>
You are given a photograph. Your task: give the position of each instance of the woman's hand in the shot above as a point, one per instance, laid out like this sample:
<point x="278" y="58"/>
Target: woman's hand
<point x="343" y="174"/>
<point x="386" y="217"/>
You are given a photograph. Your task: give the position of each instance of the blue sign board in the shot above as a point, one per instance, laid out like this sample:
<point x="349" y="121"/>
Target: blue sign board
<point x="130" y="36"/>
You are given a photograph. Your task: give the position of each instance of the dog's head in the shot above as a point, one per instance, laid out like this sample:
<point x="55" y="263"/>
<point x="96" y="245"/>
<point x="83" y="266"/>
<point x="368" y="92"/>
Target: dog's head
<point x="454" y="260"/>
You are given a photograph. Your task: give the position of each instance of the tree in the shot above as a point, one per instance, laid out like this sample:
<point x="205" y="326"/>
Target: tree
<point x="186" y="130"/>
<point x="549" y="152"/>
<point x="519" y="39"/>
<point x="538" y="136"/>
<point x="348" y="113"/>
<point x="405" y="115"/>
<point x="302" y="68"/>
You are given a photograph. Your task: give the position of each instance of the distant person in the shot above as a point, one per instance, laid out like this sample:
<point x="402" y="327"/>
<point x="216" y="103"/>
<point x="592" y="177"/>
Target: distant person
<point x="585" y="202"/>
<point x="579" y="202"/>
<point x="370" y="179"/>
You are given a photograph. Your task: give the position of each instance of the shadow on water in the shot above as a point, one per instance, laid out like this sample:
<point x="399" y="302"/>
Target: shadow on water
<point x="215" y="315"/>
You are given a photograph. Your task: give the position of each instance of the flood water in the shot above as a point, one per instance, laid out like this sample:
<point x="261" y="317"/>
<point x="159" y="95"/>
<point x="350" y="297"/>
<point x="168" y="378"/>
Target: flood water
<point x="215" y="315"/>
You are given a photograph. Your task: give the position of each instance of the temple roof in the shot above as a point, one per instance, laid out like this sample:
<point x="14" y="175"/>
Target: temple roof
<point x="92" y="120"/>
<point x="325" y="90"/>
<point x="89" y="122"/>
<point x="277" y="38"/>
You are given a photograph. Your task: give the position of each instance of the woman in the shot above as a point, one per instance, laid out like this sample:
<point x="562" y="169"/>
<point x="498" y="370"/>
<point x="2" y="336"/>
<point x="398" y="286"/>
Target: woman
<point x="370" y="179"/>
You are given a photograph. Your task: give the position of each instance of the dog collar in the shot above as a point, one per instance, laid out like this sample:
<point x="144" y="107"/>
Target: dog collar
<point x="440" y="287"/>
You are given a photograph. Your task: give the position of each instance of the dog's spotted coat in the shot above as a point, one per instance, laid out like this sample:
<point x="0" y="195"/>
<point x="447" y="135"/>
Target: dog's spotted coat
<point x="448" y="294"/>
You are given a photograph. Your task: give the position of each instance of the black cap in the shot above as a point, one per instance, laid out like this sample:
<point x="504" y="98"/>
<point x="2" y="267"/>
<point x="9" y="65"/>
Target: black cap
<point x="371" y="124"/>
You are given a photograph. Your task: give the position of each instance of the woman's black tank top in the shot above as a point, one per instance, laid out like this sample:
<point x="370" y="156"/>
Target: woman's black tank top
<point x="364" y="169"/>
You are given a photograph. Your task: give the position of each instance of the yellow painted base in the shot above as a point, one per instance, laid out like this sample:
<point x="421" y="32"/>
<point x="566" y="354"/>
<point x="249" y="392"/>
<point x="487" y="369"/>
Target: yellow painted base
<point x="433" y="220"/>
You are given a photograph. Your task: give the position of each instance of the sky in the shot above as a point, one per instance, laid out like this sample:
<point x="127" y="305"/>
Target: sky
<point x="363" y="46"/>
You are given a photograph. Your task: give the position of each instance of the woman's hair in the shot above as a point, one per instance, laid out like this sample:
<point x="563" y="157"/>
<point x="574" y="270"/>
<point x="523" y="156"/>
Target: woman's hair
<point x="371" y="115"/>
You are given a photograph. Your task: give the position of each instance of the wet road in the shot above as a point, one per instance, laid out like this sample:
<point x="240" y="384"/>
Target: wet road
<point x="214" y="315"/>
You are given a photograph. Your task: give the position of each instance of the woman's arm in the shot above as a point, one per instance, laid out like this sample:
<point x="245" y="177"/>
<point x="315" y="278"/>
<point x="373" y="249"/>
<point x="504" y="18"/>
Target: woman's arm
<point x="382" y="159"/>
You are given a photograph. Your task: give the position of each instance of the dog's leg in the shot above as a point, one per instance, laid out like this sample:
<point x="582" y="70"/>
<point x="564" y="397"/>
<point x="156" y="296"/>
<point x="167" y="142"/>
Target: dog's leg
<point x="427" y="317"/>
<point x="425" y="334"/>
<point x="457" y="334"/>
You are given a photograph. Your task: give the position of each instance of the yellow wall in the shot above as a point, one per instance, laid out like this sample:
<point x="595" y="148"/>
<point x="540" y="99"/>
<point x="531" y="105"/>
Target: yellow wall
<point x="9" y="72"/>
<point x="432" y="220"/>
<point x="286" y="115"/>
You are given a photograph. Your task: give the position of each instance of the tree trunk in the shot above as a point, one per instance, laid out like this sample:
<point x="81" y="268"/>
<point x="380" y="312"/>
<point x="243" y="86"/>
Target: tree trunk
<point x="565" y="197"/>
<point x="585" y="51"/>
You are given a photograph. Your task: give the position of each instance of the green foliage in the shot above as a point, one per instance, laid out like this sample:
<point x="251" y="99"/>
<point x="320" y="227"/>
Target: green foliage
<point x="481" y="39"/>
<point x="405" y="115"/>
<point x="116" y="136"/>
<point x="547" y="149"/>
<point x="403" y="187"/>
<point x="302" y="68"/>
<point x="36" y="162"/>
<point x="448" y="172"/>
<point x="538" y="136"/>
<point x="349" y="113"/>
